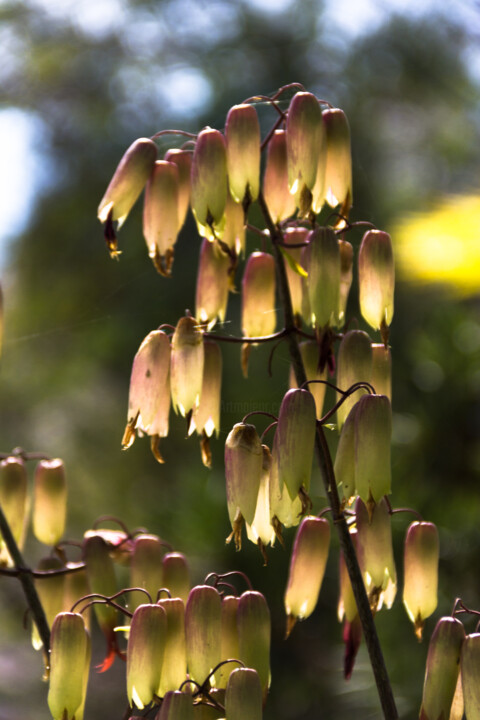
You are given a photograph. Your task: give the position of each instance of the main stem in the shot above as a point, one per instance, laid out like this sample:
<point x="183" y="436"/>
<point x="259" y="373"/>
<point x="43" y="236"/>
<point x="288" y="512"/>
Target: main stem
<point x="328" y="477"/>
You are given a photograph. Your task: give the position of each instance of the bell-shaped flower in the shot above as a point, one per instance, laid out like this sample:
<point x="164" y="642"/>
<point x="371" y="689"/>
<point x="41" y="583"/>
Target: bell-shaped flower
<point x="174" y="669"/>
<point x="146" y="567"/>
<point x="49" y="501"/>
<point x="149" y="394"/>
<point x="323" y="282"/>
<point x="258" y="296"/>
<point x="381" y="378"/>
<point x="160" y="214"/>
<point x="344" y="466"/>
<point x="228" y="640"/>
<point x="283" y="510"/>
<point x="209" y="183"/>
<point x="186" y="366"/>
<point x="338" y="169"/>
<point x="69" y="663"/>
<point x="310" y="352"/>
<point x="261" y="531"/>
<point x="243" y="695"/>
<point x="347" y="605"/>
<point x="373" y="437"/>
<point x="126" y="184"/>
<point x="280" y="203"/>
<point x="75" y="588"/>
<point x="145" y="650"/>
<point x="375" y="553"/>
<point x="176" y="575"/>
<point x="293" y="267"/>
<point x="420" y="573"/>
<point x="254" y="631"/>
<point x="234" y="234"/>
<point x="242" y="133"/>
<point x="50" y="590"/>
<point x="206" y="417"/>
<point x="296" y="430"/>
<point x="243" y="473"/>
<point x="441" y="673"/>
<point x="305" y="134"/>
<point x="203" y="631"/>
<point x="183" y="160"/>
<point x="376" y="279"/>
<point x="176" y="705"/>
<point x="346" y="277"/>
<point x="213" y="284"/>
<point x="307" y="568"/>
<point x="13" y="501"/>
<point x="469" y="663"/>
<point x="354" y="364"/>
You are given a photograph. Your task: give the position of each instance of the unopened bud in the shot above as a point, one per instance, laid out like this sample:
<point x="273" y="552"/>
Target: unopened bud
<point x="242" y="131"/>
<point x="305" y="140"/>
<point x="442" y="669"/>
<point x="280" y="202"/>
<point x="160" y="214"/>
<point x="323" y="280"/>
<point x="186" y="368"/>
<point x="209" y="183"/>
<point x="202" y="631"/>
<point x="13" y="500"/>
<point x="176" y="705"/>
<point x="69" y="661"/>
<point x="243" y="695"/>
<point x="49" y="501"/>
<point x="145" y="649"/>
<point x="354" y="364"/>
<point x="176" y="575"/>
<point x="376" y="278"/>
<point x="338" y="169"/>
<point x="420" y="572"/>
<point x="146" y="568"/>
<point x="296" y="430"/>
<point x="254" y="630"/>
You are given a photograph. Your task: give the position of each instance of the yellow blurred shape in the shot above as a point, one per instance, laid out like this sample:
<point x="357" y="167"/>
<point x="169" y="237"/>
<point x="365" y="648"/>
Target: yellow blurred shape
<point x="442" y="245"/>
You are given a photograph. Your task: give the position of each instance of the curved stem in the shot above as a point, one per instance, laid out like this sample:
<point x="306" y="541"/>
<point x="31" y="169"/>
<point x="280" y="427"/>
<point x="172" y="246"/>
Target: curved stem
<point x="324" y="459"/>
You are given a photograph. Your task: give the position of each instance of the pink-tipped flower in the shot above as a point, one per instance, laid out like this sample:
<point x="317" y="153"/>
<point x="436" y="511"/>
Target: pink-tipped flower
<point x="203" y="631"/>
<point x="354" y="364"/>
<point x="261" y="531"/>
<point x="145" y="649"/>
<point x="209" y="183"/>
<point x="176" y="575"/>
<point x="174" y="670"/>
<point x="160" y="214"/>
<point x="13" y="501"/>
<point x="126" y="184"/>
<point x="258" y="296"/>
<point x="254" y="631"/>
<point x="469" y="664"/>
<point x="177" y="705"/>
<point x="338" y="169"/>
<point x="213" y="284"/>
<point x="280" y="202"/>
<point x="186" y="367"/>
<point x="373" y="437"/>
<point x="183" y="160"/>
<point x="49" y="501"/>
<point x="243" y="472"/>
<point x="149" y="394"/>
<point x="243" y="695"/>
<point x="242" y="132"/>
<point x="146" y="568"/>
<point x="441" y="673"/>
<point x="375" y="553"/>
<point x="296" y="430"/>
<point x="376" y="279"/>
<point x="307" y="568"/>
<point x="228" y="640"/>
<point x="305" y="135"/>
<point x="323" y="282"/>
<point x="382" y="370"/>
<point x="69" y="661"/>
<point x="346" y="277"/>
<point x="310" y="353"/>
<point x="50" y="591"/>
<point x="420" y="572"/>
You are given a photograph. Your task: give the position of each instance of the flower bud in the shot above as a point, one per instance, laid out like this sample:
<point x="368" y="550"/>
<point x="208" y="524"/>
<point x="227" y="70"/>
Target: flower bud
<point x="280" y="203"/>
<point x="261" y="527"/>
<point x="338" y="169"/>
<point x="149" y="394"/>
<point x="243" y="696"/>
<point x="176" y="705"/>
<point x="469" y="663"/>
<point x="243" y="471"/>
<point x="13" y="501"/>
<point x="228" y="640"/>
<point x="146" y="568"/>
<point x="176" y="575"/>
<point x="323" y="282"/>
<point x="344" y="467"/>
<point x="209" y="183"/>
<point x="242" y="132"/>
<point x="354" y="364"/>
<point x="202" y="631"/>
<point x="382" y="370"/>
<point x="254" y="630"/>
<point x="305" y="135"/>
<point x="373" y="437"/>
<point x="160" y="214"/>
<point x="206" y="418"/>
<point x="441" y="673"/>
<point x="174" y="670"/>
<point x="186" y="367"/>
<point x="50" y="591"/>
<point x="183" y="160"/>
<point x="258" y="296"/>
<point x="128" y="181"/>
<point x="69" y="661"/>
<point x="145" y="649"/>
<point x="49" y="501"/>
<point x="296" y="430"/>
<point x="307" y="568"/>
<point x="310" y="353"/>
<point x="293" y="268"/>
<point x="376" y="278"/>
<point x="420" y="572"/>
<point x="213" y="283"/>
<point x="346" y="277"/>
<point x="375" y="553"/>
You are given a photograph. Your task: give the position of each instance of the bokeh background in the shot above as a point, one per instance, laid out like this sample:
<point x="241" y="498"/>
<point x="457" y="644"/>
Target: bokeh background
<point x="79" y="81"/>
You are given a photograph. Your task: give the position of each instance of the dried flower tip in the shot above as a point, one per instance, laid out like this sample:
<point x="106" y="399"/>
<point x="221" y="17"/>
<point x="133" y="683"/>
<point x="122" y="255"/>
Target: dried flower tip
<point x="160" y="214"/>
<point x="296" y="438"/>
<point x="49" y="501"/>
<point x="243" y="471"/>
<point x="376" y="277"/>
<point x="186" y="368"/>
<point x="420" y="572"/>
<point x="243" y="695"/>
<point x="254" y="630"/>
<point x="202" y="631"/>
<point x="242" y="132"/>
<point x="305" y="135"/>
<point x="338" y="169"/>
<point x="209" y="183"/>
<point x="69" y="661"/>
<point x="145" y="649"/>
<point x="323" y="282"/>
<point x="183" y="160"/>
<point x="354" y="365"/>
<point x="280" y="202"/>
<point x="441" y="673"/>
